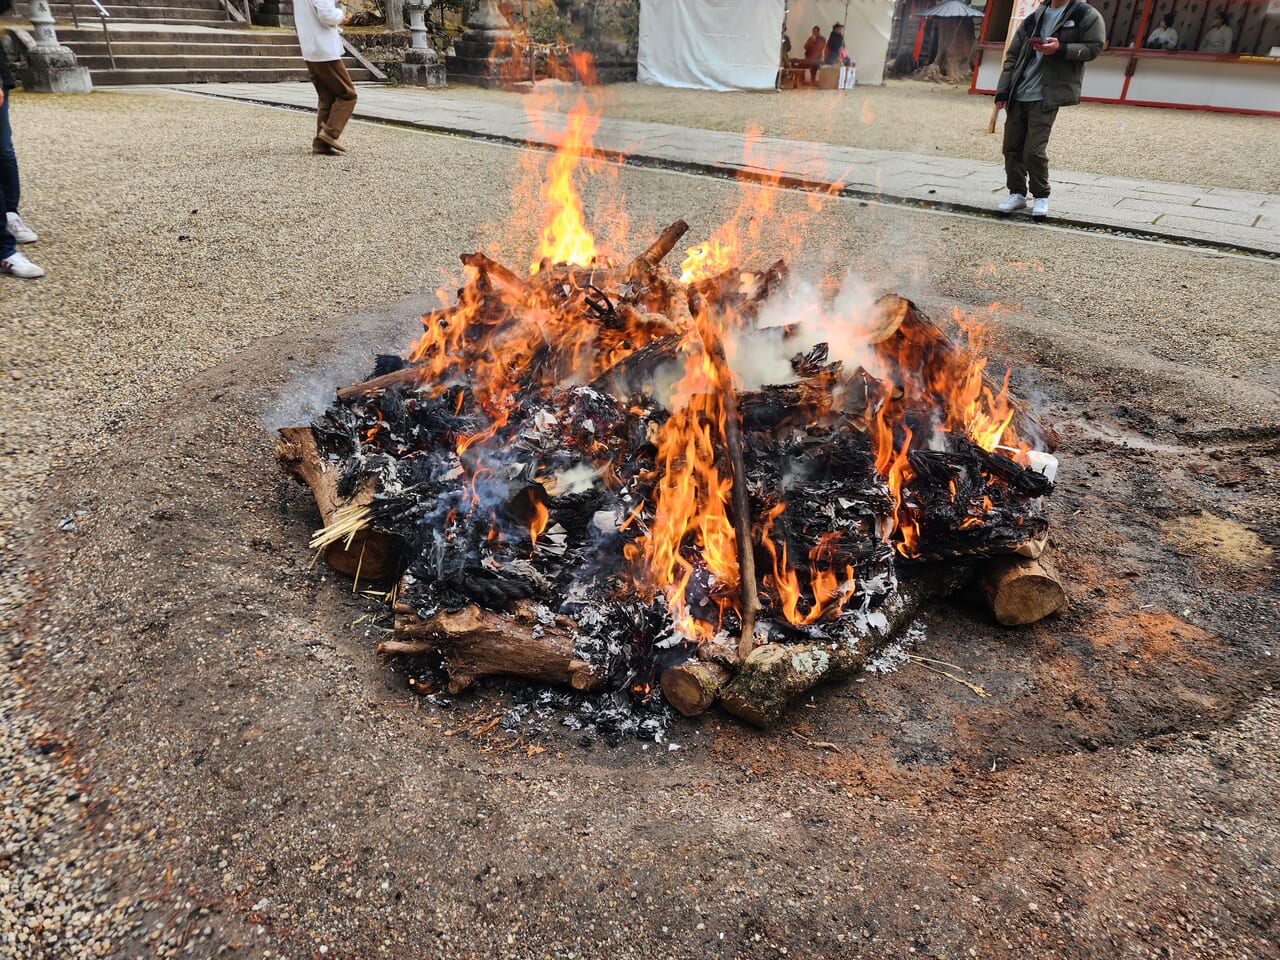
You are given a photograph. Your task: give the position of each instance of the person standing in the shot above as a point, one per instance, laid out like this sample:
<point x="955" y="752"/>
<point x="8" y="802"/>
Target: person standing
<point x="317" y="23"/>
<point x="12" y="229"/>
<point x="1042" y="72"/>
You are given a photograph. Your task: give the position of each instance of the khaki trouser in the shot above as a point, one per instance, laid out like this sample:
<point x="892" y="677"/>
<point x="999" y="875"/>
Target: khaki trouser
<point x="337" y="95"/>
<point x="1027" y="126"/>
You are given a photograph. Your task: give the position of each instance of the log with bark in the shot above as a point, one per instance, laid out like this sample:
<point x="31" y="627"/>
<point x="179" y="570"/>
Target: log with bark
<point x="479" y="643"/>
<point x="370" y="554"/>
<point x="775" y="675"/>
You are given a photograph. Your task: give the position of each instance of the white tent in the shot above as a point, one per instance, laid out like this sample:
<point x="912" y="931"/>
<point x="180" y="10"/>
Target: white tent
<point x="737" y="44"/>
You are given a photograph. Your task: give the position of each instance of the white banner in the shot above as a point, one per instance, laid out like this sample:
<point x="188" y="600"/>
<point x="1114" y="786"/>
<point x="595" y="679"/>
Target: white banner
<point x="711" y="44"/>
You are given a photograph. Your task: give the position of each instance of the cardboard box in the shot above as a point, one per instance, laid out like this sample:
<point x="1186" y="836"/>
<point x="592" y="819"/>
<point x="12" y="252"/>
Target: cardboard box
<point x="829" y="77"/>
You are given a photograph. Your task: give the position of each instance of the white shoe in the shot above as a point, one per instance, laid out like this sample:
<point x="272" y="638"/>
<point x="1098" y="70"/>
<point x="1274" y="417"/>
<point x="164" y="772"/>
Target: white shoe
<point x="1040" y="208"/>
<point x="20" y="266"/>
<point x="21" y="232"/>
<point x="1015" y="201"/>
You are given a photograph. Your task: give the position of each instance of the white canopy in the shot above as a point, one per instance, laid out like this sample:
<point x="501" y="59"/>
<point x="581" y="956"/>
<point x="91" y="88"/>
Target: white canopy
<point x="737" y="44"/>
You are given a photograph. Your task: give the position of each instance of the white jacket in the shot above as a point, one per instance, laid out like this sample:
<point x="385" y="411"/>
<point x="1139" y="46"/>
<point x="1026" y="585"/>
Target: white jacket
<point x="318" y="34"/>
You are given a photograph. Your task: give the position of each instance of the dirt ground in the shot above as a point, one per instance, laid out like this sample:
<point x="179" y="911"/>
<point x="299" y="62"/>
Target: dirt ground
<point x="251" y="781"/>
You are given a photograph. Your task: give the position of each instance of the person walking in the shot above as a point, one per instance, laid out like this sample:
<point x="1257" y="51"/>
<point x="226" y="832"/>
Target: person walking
<point x="1042" y="72"/>
<point x="317" y="23"/>
<point x="12" y="229"/>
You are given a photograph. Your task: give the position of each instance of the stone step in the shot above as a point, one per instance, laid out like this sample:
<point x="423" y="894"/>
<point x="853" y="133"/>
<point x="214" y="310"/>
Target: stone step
<point x="96" y="48"/>
<point x="89" y="14"/>
<point x="98" y="63"/>
<point x="113" y="78"/>
<point x="124" y="8"/>
<point x="186" y="35"/>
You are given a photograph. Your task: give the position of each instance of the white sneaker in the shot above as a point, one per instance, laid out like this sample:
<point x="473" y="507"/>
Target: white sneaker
<point x="1015" y="201"/>
<point x="1040" y="208"/>
<point x="21" y="232"/>
<point x="20" y="266"/>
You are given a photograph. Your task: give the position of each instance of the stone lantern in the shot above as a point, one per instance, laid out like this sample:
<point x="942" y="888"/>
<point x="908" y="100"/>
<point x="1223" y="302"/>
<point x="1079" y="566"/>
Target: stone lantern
<point x="422" y="66"/>
<point x="51" y="67"/>
<point x="486" y="45"/>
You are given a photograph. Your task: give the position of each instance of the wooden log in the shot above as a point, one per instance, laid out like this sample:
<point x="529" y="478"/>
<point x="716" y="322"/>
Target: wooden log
<point x="775" y="674"/>
<point x="649" y="260"/>
<point x="1022" y="590"/>
<point x="372" y="554"/>
<point x="497" y="276"/>
<point x="478" y="643"/>
<point x="692" y="687"/>
<point x="914" y="332"/>
<point x="405" y="376"/>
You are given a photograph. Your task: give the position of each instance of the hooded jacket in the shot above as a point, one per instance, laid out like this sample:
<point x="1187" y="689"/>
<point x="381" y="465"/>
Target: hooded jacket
<point x="1082" y="35"/>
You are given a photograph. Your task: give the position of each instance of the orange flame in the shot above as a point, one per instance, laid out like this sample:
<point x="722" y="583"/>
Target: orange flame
<point x="830" y="592"/>
<point x="538" y="522"/>
<point x="691" y="503"/>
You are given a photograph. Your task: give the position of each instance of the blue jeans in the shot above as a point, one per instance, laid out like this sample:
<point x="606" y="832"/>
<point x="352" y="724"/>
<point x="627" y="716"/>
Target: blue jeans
<point x="8" y="179"/>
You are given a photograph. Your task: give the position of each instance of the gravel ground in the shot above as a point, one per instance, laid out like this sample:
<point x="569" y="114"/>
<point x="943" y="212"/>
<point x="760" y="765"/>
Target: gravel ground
<point x="1182" y="146"/>
<point x="200" y="261"/>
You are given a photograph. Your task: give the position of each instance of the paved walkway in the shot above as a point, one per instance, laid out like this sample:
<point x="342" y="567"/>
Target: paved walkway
<point x="1209" y="215"/>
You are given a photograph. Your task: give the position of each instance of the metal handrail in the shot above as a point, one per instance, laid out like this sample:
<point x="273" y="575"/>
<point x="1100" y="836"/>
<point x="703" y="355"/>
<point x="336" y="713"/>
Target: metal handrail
<point x="241" y="16"/>
<point x="103" y="16"/>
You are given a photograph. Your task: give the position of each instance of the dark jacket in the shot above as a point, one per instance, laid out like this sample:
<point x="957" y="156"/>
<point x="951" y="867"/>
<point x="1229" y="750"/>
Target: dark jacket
<point x="834" y="42"/>
<point x="1082" y="35"/>
<point x="6" y="76"/>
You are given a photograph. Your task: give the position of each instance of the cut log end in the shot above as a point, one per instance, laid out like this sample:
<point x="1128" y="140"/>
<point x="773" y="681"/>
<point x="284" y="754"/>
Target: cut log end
<point x="694" y="686"/>
<point x="1022" y="590"/>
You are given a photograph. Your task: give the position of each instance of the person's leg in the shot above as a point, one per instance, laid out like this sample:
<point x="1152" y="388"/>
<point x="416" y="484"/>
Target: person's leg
<point x="7" y="243"/>
<point x="324" y="99"/>
<point x="344" y="96"/>
<point x="9" y="183"/>
<point x="1015" y="136"/>
<point x="1036" y="152"/>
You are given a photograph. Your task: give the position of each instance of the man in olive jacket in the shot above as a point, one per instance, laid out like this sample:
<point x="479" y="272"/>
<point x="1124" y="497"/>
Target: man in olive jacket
<point x="1042" y="72"/>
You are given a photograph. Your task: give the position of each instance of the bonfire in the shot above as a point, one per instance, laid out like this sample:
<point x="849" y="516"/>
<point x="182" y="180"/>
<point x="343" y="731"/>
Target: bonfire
<point x="686" y="486"/>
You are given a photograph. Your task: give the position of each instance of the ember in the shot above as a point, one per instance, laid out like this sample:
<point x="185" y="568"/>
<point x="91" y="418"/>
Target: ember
<point x="579" y="487"/>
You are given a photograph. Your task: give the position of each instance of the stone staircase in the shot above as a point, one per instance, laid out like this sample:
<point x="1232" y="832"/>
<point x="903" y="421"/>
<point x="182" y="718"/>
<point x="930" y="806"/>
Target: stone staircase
<point x="183" y="41"/>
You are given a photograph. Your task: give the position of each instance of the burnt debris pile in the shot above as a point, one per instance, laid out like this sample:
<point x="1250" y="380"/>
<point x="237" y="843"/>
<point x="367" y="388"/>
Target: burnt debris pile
<point x="574" y="484"/>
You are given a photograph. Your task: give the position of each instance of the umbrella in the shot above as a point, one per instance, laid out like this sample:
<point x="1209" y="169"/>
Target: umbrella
<point x="949" y="9"/>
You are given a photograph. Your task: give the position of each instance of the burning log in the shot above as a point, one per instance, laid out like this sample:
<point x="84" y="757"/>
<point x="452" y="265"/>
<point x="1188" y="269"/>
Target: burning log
<point x="368" y="553"/>
<point x="776" y="674"/>
<point x="648" y="261"/>
<point x="915" y="335"/>
<point x="479" y="643"/>
<point x="1022" y="590"/>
